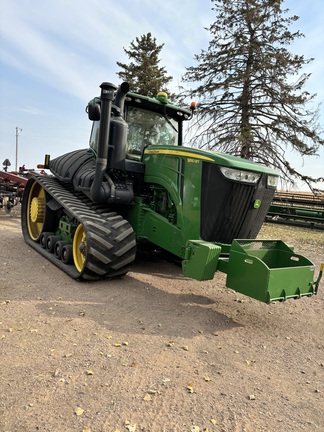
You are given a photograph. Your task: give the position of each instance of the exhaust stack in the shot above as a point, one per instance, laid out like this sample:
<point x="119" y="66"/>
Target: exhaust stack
<point x="100" y="190"/>
<point x="111" y="152"/>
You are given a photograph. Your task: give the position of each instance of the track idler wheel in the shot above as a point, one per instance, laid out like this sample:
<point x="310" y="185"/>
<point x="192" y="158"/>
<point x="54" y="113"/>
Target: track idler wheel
<point x="79" y="248"/>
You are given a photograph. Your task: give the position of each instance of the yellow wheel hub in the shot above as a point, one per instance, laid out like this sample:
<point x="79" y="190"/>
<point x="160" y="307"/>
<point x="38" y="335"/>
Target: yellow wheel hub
<point x="36" y="211"/>
<point x="79" y="248"/>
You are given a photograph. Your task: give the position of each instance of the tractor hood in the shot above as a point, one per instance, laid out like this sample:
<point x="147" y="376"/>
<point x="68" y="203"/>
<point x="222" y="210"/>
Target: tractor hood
<point x="210" y="156"/>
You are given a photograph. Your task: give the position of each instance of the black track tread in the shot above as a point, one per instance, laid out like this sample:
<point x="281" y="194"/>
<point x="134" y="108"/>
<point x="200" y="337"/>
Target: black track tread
<point x="111" y="244"/>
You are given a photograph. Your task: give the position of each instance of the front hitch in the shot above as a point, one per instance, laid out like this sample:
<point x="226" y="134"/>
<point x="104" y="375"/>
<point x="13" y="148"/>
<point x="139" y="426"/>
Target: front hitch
<point x="266" y="270"/>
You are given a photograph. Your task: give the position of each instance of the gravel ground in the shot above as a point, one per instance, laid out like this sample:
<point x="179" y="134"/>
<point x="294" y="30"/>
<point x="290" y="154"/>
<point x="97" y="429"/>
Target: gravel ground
<point x="154" y="351"/>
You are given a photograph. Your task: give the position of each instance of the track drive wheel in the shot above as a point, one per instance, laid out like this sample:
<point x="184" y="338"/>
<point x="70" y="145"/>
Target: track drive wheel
<point x="36" y="216"/>
<point x="36" y="211"/>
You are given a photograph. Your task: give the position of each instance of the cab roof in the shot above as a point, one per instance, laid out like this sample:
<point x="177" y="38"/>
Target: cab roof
<point x="156" y="105"/>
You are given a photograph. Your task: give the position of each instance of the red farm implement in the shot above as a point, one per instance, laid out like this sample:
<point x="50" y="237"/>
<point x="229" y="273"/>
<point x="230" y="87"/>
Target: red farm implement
<point x="12" y="186"/>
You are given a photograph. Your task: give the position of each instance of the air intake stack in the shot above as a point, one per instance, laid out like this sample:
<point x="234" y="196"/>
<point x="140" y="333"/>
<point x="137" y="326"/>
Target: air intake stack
<point x="118" y="131"/>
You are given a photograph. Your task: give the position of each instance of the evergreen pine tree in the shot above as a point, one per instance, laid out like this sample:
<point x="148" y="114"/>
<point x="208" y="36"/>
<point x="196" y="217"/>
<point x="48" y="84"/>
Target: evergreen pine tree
<point x="251" y="89"/>
<point x="143" y="73"/>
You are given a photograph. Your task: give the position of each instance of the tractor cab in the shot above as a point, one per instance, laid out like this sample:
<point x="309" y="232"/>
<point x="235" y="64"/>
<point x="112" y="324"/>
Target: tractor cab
<point x="150" y="121"/>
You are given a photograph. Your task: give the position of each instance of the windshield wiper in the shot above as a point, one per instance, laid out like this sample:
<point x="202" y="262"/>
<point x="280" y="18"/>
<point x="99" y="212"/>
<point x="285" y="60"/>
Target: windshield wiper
<point x="170" y="122"/>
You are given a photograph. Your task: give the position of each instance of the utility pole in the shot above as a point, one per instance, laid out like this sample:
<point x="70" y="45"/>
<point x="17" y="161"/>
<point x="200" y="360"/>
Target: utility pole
<point x="18" y="130"/>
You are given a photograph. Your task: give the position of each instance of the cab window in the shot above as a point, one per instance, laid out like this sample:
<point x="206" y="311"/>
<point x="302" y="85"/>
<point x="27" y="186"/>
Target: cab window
<point x="148" y="128"/>
<point x="94" y="136"/>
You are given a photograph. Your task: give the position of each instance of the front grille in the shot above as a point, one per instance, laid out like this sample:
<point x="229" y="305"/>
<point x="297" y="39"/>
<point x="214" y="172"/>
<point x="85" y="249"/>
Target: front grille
<point x="227" y="207"/>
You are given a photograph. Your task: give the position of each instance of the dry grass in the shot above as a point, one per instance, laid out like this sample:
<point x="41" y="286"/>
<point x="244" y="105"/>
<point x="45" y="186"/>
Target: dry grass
<point x="304" y="239"/>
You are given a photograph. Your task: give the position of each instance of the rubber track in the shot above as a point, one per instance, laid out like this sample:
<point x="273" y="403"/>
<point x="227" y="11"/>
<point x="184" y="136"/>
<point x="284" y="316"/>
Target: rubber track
<point x="111" y="244"/>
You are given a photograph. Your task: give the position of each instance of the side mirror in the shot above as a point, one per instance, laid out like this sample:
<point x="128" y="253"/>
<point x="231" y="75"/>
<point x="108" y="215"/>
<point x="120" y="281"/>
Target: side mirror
<point x="93" y="110"/>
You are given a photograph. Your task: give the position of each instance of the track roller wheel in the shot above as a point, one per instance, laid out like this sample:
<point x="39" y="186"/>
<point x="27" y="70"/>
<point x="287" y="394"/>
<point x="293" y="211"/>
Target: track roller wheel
<point x="58" y="248"/>
<point x="51" y="241"/>
<point x="67" y="254"/>
<point x="43" y="239"/>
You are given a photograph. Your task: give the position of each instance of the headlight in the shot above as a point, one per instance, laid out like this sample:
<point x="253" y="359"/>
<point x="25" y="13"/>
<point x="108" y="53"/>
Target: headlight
<point x="272" y="181"/>
<point x="240" y="175"/>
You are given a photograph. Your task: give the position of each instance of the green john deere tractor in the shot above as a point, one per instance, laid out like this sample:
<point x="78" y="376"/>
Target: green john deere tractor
<point x="137" y="186"/>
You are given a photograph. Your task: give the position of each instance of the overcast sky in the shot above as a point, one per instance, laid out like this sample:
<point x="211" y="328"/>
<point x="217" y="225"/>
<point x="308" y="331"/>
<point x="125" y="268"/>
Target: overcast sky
<point x="54" y="54"/>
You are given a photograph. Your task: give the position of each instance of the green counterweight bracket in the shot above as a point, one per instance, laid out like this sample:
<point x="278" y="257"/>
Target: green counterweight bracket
<point x="201" y="259"/>
<point x="268" y="270"/>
